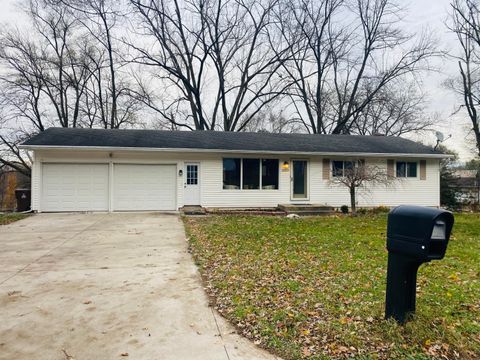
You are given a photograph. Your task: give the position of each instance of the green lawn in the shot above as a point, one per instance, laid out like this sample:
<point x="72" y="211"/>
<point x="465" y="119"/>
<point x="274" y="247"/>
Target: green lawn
<point x="11" y="217"/>
<point x="315" y="287"/>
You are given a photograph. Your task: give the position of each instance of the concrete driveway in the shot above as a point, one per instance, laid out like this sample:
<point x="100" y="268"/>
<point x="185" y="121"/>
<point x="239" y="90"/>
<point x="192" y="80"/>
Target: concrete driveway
<point x="107" y="286"/>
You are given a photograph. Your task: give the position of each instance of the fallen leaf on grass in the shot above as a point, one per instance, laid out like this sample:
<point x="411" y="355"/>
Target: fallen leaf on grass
<point x="306" y="352"/>
<point x="289" y="286"/>
<point x="306" y="332"/>
<point x="454" y="277"/>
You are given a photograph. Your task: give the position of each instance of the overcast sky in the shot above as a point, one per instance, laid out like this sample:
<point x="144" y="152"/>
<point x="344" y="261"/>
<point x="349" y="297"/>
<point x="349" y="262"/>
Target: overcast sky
<point x="422" y="14"/>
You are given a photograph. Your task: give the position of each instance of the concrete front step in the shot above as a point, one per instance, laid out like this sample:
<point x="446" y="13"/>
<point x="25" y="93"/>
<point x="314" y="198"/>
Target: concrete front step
<point x="311" y="213"/>
<point x="306" y="208"/>
<point x="193" y="210"/>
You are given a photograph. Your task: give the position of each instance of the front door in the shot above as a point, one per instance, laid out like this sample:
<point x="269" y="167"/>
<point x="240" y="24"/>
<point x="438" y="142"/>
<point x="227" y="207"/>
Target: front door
<point x="192" y="184"/>
<point x="299" y="180"/>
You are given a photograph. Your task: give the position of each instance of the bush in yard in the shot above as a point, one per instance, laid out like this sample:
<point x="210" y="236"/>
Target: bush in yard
<point x="362" y="211"/>
<point x="380" y="210"/>
<point x="344" y="209"/>
<point x="448" y="191"/>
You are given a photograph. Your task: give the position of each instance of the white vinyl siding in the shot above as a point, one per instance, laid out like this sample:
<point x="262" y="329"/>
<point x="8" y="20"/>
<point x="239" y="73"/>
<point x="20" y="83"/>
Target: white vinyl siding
<point x="403" y="191"/>
<point x="143" y="187"/>
<point x="212" y="195"/>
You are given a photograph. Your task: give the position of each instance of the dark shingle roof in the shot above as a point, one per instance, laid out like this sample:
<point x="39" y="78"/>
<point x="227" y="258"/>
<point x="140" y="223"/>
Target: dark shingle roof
<point x="228" y="141"/>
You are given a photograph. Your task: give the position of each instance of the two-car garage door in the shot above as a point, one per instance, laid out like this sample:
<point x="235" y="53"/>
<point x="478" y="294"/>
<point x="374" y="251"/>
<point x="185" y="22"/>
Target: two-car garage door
<point x="88" y="187"/>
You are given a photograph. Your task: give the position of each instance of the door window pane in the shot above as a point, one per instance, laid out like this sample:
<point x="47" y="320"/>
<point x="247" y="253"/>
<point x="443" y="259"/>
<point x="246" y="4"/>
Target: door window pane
<point x="192" y="174"/>
<point x="270" y="174"/>
<point x="231" y="174"/>
<point x="251" y="174"/>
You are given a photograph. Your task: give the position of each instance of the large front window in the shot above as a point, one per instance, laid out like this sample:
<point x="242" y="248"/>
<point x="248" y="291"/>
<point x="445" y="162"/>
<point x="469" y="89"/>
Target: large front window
<point x="231" y="173"/>
<point x="250" y="174"/>
<point x="269" y="174"/>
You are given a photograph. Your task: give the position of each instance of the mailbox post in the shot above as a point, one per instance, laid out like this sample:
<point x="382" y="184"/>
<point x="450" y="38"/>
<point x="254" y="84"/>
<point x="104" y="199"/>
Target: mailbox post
<point x="415" y="235"/>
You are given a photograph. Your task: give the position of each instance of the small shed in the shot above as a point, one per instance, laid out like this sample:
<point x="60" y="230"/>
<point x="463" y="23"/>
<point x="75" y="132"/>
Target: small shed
<point x="10" y="180"/>
<point x="467" y="183"/>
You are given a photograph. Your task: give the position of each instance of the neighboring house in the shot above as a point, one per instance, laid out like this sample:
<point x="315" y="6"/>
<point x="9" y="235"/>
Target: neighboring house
<point x="123" y="170"/>
<point x="467" y="184"/>
<point x="10" y="180"/>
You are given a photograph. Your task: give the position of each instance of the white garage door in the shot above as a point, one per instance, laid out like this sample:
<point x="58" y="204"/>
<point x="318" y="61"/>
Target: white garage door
<point x="74" y="187"/>
<point x="144" y="187"/>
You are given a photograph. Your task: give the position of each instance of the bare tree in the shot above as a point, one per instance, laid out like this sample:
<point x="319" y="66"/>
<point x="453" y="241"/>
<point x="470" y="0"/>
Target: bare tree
<point x="46" y="69"/>
<point x="308" y="28"/>
<point x="346" y="55"/>
<point x="43" y="78"/>
<point x="357" y="174"/>
<point x="273" y="122"/>
<point x="64" y="58"/>
<point x="22" y="80"/>
<point x="465" y="23"/>
<point x="214" y="57"/>
<point x="109" y="89"/>
<point x="56" y="74"/>
<point x="398" y="109"/>
<point x="12" y="156"/>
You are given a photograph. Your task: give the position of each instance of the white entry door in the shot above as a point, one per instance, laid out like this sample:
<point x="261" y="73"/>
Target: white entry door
<point x="192" y="184"/>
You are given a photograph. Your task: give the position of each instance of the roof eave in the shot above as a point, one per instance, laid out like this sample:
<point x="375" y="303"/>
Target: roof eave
<point x="148" y="149"/>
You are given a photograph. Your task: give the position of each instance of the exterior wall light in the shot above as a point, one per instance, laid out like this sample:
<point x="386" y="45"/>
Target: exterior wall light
<point x="180" y="172"/>
<point x="285" y="165"/>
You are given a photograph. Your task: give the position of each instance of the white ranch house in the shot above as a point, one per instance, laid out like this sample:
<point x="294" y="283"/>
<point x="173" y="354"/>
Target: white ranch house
<point x="144" y="170"/>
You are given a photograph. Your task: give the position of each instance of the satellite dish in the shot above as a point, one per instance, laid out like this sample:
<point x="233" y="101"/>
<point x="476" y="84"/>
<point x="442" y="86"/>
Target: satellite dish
<point x="440" y="136"/>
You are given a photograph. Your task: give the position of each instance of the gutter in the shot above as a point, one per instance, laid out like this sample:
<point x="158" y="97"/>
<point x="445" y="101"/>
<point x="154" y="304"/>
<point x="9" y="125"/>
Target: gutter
<point x="186" y="150"/>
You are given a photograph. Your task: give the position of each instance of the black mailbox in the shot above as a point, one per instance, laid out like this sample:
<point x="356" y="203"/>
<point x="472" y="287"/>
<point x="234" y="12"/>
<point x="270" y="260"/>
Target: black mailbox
<point x="415" y="235"/>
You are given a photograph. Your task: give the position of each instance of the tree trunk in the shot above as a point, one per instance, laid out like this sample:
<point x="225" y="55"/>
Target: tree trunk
<point x="477" y="138"/>
<point x="353" y="201"/>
